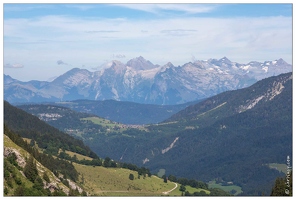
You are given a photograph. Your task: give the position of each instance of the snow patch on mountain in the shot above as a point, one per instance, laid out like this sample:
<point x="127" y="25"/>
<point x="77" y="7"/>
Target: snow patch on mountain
<point x="246" y="67"/>
<point x="265" y="69"/>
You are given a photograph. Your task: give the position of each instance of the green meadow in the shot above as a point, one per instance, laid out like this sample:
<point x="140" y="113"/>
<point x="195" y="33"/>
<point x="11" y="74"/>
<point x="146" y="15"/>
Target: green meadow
<point x="227" y="188"/>
<point x="78" y="156"/>
<point x="106" y="123"/>
<point x="101" y="181"/>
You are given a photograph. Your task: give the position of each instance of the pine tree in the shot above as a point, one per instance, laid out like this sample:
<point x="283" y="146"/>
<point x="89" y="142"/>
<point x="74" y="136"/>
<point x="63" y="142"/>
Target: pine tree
<point x="38" y="184"/>
<point x="164" y="178"/>
<point x="30" y="169"/>
<point x="280" y="187"/>
<point x="107" y="162"/>
<point x="45" y="177"/>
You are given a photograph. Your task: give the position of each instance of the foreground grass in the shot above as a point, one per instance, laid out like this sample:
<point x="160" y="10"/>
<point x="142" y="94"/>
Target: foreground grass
<point x="101" y="181"/>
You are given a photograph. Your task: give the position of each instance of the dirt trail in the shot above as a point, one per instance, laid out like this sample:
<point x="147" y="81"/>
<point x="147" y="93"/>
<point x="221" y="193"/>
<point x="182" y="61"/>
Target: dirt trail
<point x="167" y="192"/>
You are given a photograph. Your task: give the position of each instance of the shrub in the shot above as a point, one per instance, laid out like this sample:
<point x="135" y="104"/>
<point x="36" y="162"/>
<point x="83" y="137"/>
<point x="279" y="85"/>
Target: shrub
<point x="131" y="177"/>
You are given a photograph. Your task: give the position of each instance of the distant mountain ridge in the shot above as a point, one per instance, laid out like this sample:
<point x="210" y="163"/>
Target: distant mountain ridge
<point x="141" y="81"/>
<point x="119" y="111"/>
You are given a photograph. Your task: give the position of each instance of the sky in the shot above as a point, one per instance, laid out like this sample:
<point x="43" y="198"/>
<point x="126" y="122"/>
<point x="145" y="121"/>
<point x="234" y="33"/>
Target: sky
<point x="43" y="41"/>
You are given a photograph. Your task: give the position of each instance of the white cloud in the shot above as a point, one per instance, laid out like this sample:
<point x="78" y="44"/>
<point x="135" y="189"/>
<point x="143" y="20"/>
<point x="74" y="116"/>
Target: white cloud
<point x="17" y="65"/>
<point x="90" y="41"/>
<point x="118" y="56"/>
<point x="28" y="7"/>
<point x="158" y="8"/>
<point x="82" y="7"/>
<point x="60" y="62"/>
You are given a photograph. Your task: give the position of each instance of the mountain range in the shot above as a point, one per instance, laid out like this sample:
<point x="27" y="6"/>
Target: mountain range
<point x="232" y="137"/>
<point x="141" y="81"/>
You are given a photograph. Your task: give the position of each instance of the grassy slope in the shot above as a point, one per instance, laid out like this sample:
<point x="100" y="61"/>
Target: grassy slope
<point x="41" y="169"/>
<point x="79" y="156"/>
<point x="100" y="181"/>
<point x="9" y="143"/>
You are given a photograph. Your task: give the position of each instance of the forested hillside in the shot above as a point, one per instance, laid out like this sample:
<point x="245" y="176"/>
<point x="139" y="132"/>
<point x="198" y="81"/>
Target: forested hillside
<point x="31" y="169"/>
<point x="117" y="111"/>
<point x="47" y="137"/>
<point x="29" y="172"/>
<point x="232" y="136"/>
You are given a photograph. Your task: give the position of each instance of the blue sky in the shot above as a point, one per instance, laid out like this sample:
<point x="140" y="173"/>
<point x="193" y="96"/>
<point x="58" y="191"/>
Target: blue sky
<point x="42" y="41"/>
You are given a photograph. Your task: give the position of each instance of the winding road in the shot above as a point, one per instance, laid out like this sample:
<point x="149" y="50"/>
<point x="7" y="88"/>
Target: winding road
<point x="167" y="192"/>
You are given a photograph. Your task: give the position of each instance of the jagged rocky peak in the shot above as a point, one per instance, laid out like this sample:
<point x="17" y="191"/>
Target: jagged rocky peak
<point x="281" y="62"/>
<point x="255" y="63"/>
<point x="140" y="63"/>
<point x="225" y="60"/>
<point x="169" y="64"/>
<point x="116" y="66"/>
<point x="166" y="66"/>
<point x="220" y="73"/>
